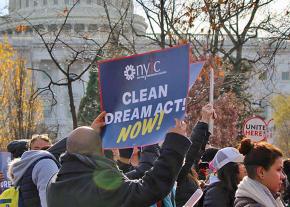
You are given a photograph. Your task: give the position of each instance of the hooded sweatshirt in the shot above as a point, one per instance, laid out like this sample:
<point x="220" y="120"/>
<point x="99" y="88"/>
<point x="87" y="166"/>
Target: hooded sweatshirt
<point x="41" y="173"/>
<point x="253" y="189"/>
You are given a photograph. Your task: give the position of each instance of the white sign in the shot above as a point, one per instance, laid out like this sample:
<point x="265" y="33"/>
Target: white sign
<point x="194" y="198"/>
<point x="255" y="128"/>
<point x="211" y="97"/>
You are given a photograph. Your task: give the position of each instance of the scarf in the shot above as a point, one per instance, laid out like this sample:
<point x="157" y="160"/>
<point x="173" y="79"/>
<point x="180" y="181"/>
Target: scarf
<point x="255" y="190"/>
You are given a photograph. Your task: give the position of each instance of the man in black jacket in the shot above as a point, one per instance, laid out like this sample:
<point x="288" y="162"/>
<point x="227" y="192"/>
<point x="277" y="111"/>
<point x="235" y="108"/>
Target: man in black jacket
<point x="88" y="179"/>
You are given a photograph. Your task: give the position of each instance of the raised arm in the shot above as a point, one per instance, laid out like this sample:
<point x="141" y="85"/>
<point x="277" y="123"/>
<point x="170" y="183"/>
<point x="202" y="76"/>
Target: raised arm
<point x="199" y="138"/>
<point x="147" y="157"/>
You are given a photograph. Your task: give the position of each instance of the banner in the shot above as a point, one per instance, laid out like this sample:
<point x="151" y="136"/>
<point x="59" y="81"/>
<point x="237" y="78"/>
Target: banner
<point x="5" y="158"/>
<point x="142" y="95"/>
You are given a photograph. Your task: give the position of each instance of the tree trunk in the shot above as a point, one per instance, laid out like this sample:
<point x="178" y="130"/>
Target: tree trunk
<point x="19" y="97"/>
<point x="238" y="65"/>
<point x="72" y="105"/>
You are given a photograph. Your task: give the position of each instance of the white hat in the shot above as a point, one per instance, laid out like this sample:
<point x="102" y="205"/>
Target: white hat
<point x="226" y="155"/>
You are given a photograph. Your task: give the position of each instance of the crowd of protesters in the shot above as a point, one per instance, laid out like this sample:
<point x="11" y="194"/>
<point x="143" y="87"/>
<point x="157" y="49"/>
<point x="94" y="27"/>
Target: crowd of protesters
<point x="76" y="171"/>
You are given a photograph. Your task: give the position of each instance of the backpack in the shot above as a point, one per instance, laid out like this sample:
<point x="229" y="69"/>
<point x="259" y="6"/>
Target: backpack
<point x="28" y="191"/>
<point x="10" y="198"/>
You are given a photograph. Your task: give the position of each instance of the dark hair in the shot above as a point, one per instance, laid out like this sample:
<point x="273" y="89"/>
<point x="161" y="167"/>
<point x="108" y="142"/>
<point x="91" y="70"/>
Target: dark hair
<point x="126" y="153"/>
<point x="228" y="175"/>
<point x="286" y="167"/>
<point x="209" y="154"/>
<point x="203" y="165"/>
<point x="258" y="154"/>
<point x="17" y="147"/>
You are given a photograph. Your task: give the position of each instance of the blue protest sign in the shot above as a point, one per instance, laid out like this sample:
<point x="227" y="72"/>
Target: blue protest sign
<point x="5" y="158"/>
<point x="142" y="95"/>
<point x="194" y="71"/>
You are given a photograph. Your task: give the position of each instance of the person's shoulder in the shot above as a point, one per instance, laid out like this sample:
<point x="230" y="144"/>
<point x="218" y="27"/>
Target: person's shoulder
<point x="45" y="163"/>
<point x="46" y="160"/>
<point x="216" y="190"/>
<point x="43" y="170"/>
<point x="216" y="195"/>
<point x="34" y="155"/>
<point x="246" y="202"/>
<point x="215" y="185"/>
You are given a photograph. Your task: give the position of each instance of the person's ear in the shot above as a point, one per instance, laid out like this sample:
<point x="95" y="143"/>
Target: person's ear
<point x="260" y="171"/>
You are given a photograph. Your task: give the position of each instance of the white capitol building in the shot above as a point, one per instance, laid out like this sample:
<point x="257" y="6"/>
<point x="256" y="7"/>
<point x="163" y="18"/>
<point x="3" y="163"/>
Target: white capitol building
<point x="89" y="17"/>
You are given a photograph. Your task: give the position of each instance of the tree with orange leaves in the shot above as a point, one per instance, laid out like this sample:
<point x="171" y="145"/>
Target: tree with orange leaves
<point x="224" y="28"/>
<point x="228" y="107"/>
<point x="19" y="113"/>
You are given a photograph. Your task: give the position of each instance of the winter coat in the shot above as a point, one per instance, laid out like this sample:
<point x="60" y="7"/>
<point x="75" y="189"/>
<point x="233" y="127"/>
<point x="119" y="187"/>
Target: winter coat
<point x="252" y="193"/>
<point x="96" y="181"/>
<point x="246" y="202"/>
<point x="218" y="195"/>
<point x="185" y="185"/>
<point x="147" y="157"/>
<point x="41" y="173"/>
<point x="58" y="148"/>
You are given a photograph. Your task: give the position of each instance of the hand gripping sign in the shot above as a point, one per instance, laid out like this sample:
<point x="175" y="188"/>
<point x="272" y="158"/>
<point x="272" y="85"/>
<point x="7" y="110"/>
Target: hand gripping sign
<point x="142" y="95"/>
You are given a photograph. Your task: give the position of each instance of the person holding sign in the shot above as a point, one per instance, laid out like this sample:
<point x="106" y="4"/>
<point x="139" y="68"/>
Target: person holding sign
<point x="87" y="178"/>
<point x="186" y="185"/>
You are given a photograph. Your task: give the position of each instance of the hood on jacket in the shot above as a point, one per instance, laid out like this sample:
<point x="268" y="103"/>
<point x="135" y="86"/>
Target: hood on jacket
<point x="27" y="159"/>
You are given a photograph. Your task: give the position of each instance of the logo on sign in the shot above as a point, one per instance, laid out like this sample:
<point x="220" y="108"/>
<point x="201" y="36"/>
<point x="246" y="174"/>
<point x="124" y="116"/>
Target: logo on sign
<point x="143" y="71"/>
<point x="129" y="72"/>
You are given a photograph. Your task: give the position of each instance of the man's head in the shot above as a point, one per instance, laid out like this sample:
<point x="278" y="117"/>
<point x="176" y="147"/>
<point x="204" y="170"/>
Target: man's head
<point x="39" y="142"/>
<point x="84" y="140"/>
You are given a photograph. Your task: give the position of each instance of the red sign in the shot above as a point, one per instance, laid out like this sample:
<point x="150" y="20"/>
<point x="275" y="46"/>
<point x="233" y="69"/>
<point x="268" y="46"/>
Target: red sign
<point x="255" y="128"/>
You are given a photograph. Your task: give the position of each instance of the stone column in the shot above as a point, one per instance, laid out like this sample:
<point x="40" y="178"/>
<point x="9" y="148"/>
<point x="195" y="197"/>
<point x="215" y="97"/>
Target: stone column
<point x="12" y="6"/>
